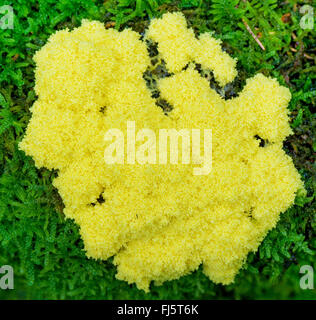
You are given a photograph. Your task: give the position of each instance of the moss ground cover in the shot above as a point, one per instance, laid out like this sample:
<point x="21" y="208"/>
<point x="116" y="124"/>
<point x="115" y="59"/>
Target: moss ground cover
<point x="45" y="249"/>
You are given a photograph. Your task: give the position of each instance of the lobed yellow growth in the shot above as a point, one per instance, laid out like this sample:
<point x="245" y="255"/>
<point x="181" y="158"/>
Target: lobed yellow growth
<point x="178" y="46"/>
<point x="160" y="221"/>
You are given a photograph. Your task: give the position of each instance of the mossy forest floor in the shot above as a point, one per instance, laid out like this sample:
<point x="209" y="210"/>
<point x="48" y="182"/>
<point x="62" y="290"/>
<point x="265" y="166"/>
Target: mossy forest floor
<point x="46" y="250"/>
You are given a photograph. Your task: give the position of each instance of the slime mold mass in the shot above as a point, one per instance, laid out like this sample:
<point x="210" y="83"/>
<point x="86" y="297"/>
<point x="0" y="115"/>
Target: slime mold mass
<point x="160" y="221"/>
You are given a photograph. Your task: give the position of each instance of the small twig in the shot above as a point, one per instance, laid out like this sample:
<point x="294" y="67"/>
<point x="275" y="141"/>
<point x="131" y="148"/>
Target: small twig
<point x="253" y="35"/>
<point x="308" y="57"/>
<point x="250" y="31"/>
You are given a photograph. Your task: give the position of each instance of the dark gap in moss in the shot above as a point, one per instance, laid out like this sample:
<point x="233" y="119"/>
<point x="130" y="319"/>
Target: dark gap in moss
<point x="137" y="25"/>
<point x="158" y="70"/>
<point x="262" y="142"/>
<point x="186" y="67"/>
<point x="231" y="90"/>
<point x="103" y="110"/>
<point x="99" y="200"/>
<point x="155" y="95"/>
<point x="164" y="105"/>
<point x="198" y="67"/>
<point x="154" y="61"/>
<point x="250" y="213"/>
<point x="151" y="84"/>
<point x="152" y="48"/>
<point x="209" y="76"/>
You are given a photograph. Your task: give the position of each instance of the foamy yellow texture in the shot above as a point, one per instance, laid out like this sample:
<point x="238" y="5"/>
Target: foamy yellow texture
<point x="178" y="45"/>
<point x="160" y="221"/>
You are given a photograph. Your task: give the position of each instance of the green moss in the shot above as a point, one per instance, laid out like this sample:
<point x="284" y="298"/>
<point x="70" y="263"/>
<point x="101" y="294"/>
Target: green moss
<point x="46" y="250"/>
